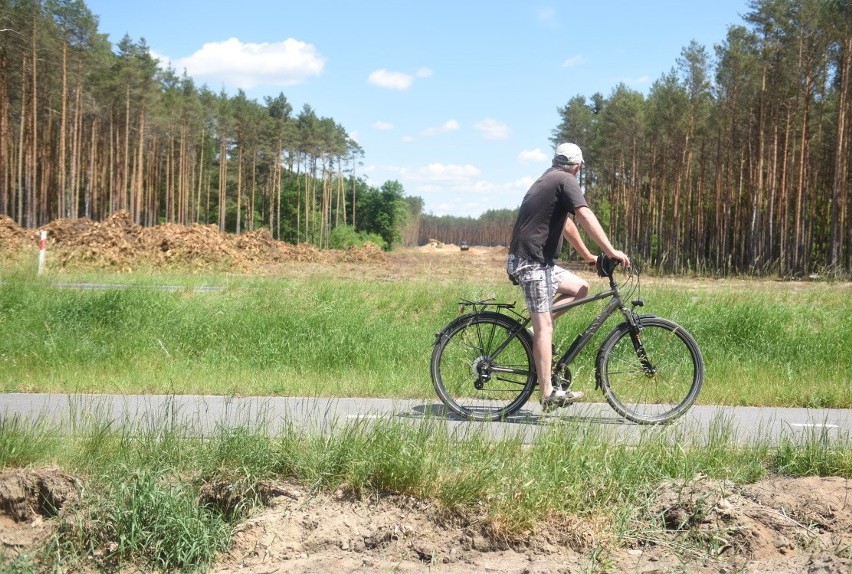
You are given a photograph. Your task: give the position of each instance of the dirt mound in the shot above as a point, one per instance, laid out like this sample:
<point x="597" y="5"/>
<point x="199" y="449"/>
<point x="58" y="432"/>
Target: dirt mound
<point x="777" y="526"/>
<point x="117" y="243"/>
<point x="13" y="238"/>
<point x="28" y="499"/>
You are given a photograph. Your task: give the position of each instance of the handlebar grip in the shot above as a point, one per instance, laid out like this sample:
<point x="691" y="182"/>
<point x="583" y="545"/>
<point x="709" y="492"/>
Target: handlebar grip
<point x="605" y="265"/>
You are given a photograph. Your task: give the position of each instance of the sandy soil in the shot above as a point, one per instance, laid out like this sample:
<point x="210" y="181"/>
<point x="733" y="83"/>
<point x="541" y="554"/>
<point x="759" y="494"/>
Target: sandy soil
<point x="778" y="526"/>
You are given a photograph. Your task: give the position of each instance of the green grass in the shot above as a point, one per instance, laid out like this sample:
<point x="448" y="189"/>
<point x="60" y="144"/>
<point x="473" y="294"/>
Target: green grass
<point x="764" y="343"/>
<point x="140" y="518"/>
<point x="324" y="334"/>
<point x="143" y="492"/>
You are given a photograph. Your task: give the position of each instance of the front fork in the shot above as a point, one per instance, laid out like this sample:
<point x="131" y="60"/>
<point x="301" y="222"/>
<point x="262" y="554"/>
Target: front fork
<point x="647" y="366"/>
<point x="634" y="329"/>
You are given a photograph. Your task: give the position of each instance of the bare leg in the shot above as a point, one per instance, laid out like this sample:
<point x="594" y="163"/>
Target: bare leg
<point x="543" y="350"/>
<point x="571" y="289"/>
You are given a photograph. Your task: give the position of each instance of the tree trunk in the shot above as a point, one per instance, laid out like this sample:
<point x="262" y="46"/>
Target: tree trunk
<point x="32" y="161"/>
<point x="239" y="186"/>
<point x="223" y="180"/>
<point x="64" y="206"/>
<point x="839" y="187"/>
<point x="5" y="136"/>
<point x="802" y="181"/>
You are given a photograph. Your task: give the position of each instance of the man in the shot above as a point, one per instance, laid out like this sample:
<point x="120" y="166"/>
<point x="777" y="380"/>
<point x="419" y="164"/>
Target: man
<point x="536" y="242"/>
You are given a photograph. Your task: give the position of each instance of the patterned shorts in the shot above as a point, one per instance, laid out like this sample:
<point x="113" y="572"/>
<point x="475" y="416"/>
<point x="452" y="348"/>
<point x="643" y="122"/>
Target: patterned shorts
<point x="538" y="282"/>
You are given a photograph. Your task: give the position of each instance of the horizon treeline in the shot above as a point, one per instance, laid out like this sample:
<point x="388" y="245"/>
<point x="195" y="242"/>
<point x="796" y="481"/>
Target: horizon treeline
<point x="735" y="161"/>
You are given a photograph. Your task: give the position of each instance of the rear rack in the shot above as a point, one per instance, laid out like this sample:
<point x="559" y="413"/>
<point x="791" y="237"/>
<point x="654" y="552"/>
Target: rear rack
<point x="482" y="304"/>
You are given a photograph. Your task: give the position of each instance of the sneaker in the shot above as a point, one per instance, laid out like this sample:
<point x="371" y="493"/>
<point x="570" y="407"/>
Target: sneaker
<point x="559" y="398"/>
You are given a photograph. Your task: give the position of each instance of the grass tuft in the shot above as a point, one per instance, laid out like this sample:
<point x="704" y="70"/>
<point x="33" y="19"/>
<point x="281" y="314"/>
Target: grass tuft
<point x="138" y="517"/>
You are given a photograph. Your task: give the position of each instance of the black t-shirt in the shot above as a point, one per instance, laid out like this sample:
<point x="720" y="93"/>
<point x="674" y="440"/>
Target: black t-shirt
<point x="537" y="234"/>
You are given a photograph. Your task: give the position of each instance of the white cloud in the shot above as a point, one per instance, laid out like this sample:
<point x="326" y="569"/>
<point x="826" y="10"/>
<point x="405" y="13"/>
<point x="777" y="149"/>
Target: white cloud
<point x="445" y="172"/>
<point x="164" y="61"/>
<point x="384" y="126"/>
<point x="574" y="61"/>
<point x="430" y="174"/>
<point x="492" y="129"/>
<point x="532" y="156"/>
<point x="446" y="127"/>
<point x="249" y="65"/>
<point x="397" y="80"/>
<point x="391" y="80"/>
<point x="641" y="80"/>
<point x="548" y="17"/>
<point x="452" y="189"/>
<point x="470" y="196"/>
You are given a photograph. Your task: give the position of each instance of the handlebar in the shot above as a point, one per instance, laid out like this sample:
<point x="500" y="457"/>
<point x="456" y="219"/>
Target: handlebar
<point x="605" y="266"/>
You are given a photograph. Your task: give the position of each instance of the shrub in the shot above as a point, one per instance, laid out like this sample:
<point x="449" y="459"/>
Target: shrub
<point x="345" y="236"/>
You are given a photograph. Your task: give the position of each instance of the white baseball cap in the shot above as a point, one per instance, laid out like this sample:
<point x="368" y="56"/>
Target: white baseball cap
<point x="571" y="152"/>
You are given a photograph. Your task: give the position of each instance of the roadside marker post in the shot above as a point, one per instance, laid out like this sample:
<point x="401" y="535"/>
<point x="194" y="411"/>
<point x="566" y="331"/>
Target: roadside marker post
<point x="42" y="248"/>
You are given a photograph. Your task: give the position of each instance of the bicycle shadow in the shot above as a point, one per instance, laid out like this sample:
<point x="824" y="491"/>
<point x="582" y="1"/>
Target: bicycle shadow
<point x="522" y="417"/>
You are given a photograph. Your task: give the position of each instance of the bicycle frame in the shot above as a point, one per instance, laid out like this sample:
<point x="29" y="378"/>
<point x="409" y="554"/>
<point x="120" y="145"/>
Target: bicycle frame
<point x="616" y="304"/>
<point x="580" y="342"/>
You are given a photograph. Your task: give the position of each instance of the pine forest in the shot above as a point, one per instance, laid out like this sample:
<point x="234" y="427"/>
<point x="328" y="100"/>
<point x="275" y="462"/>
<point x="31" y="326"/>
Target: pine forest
<point x="735" y="161"/>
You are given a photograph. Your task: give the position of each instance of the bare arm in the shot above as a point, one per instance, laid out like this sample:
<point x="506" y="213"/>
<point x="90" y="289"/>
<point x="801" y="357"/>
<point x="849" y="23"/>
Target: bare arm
<point x="572" y="234"/>
<point x="589" y="222"/>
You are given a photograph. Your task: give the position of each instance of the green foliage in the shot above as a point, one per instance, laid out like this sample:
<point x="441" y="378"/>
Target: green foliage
<point x="146" y="520"/>
<point x="384" y="212"/>
<point x="578" y="124"/>
<point x="345" y="236"/>
<point x="22" y="441"/>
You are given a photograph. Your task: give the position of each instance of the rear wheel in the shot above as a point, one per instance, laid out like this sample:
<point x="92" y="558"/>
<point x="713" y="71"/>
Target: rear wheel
<point x="479" y="370"/>
<point x="656" y="388"/>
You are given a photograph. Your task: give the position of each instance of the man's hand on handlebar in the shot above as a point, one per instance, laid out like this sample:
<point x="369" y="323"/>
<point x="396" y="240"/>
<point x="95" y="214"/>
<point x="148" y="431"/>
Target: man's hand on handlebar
<point x="621" y="257"/>
<point x="605" y="264"/>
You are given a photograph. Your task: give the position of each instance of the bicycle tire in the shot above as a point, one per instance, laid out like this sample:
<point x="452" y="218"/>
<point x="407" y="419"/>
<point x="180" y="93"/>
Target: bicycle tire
<point x="473" y="383"/>
<point x="639" y="395"/>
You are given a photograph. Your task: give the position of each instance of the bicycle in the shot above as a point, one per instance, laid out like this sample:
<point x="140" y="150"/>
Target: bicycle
<point x="650" y="369"/>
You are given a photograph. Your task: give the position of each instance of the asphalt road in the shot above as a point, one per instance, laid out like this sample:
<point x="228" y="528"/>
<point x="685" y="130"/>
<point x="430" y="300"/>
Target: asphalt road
<point x="204" y="415"/>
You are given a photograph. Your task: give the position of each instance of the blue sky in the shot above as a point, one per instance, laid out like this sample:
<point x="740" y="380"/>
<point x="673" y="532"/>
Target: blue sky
<point x="454" y="99"/>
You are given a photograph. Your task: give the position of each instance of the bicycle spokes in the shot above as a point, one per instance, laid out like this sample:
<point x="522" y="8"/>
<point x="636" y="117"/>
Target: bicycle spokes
<point x="652" y="379"/>
<point x="481" y="368"/>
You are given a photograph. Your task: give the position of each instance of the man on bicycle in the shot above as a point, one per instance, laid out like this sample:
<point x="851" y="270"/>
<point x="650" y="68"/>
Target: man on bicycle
<point x="536" y="242"/>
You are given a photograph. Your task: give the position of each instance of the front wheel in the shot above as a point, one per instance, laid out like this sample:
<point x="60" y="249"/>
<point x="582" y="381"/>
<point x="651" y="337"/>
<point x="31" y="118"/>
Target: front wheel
<point x="654" y="376"/>
<point x="482" y="366"/>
